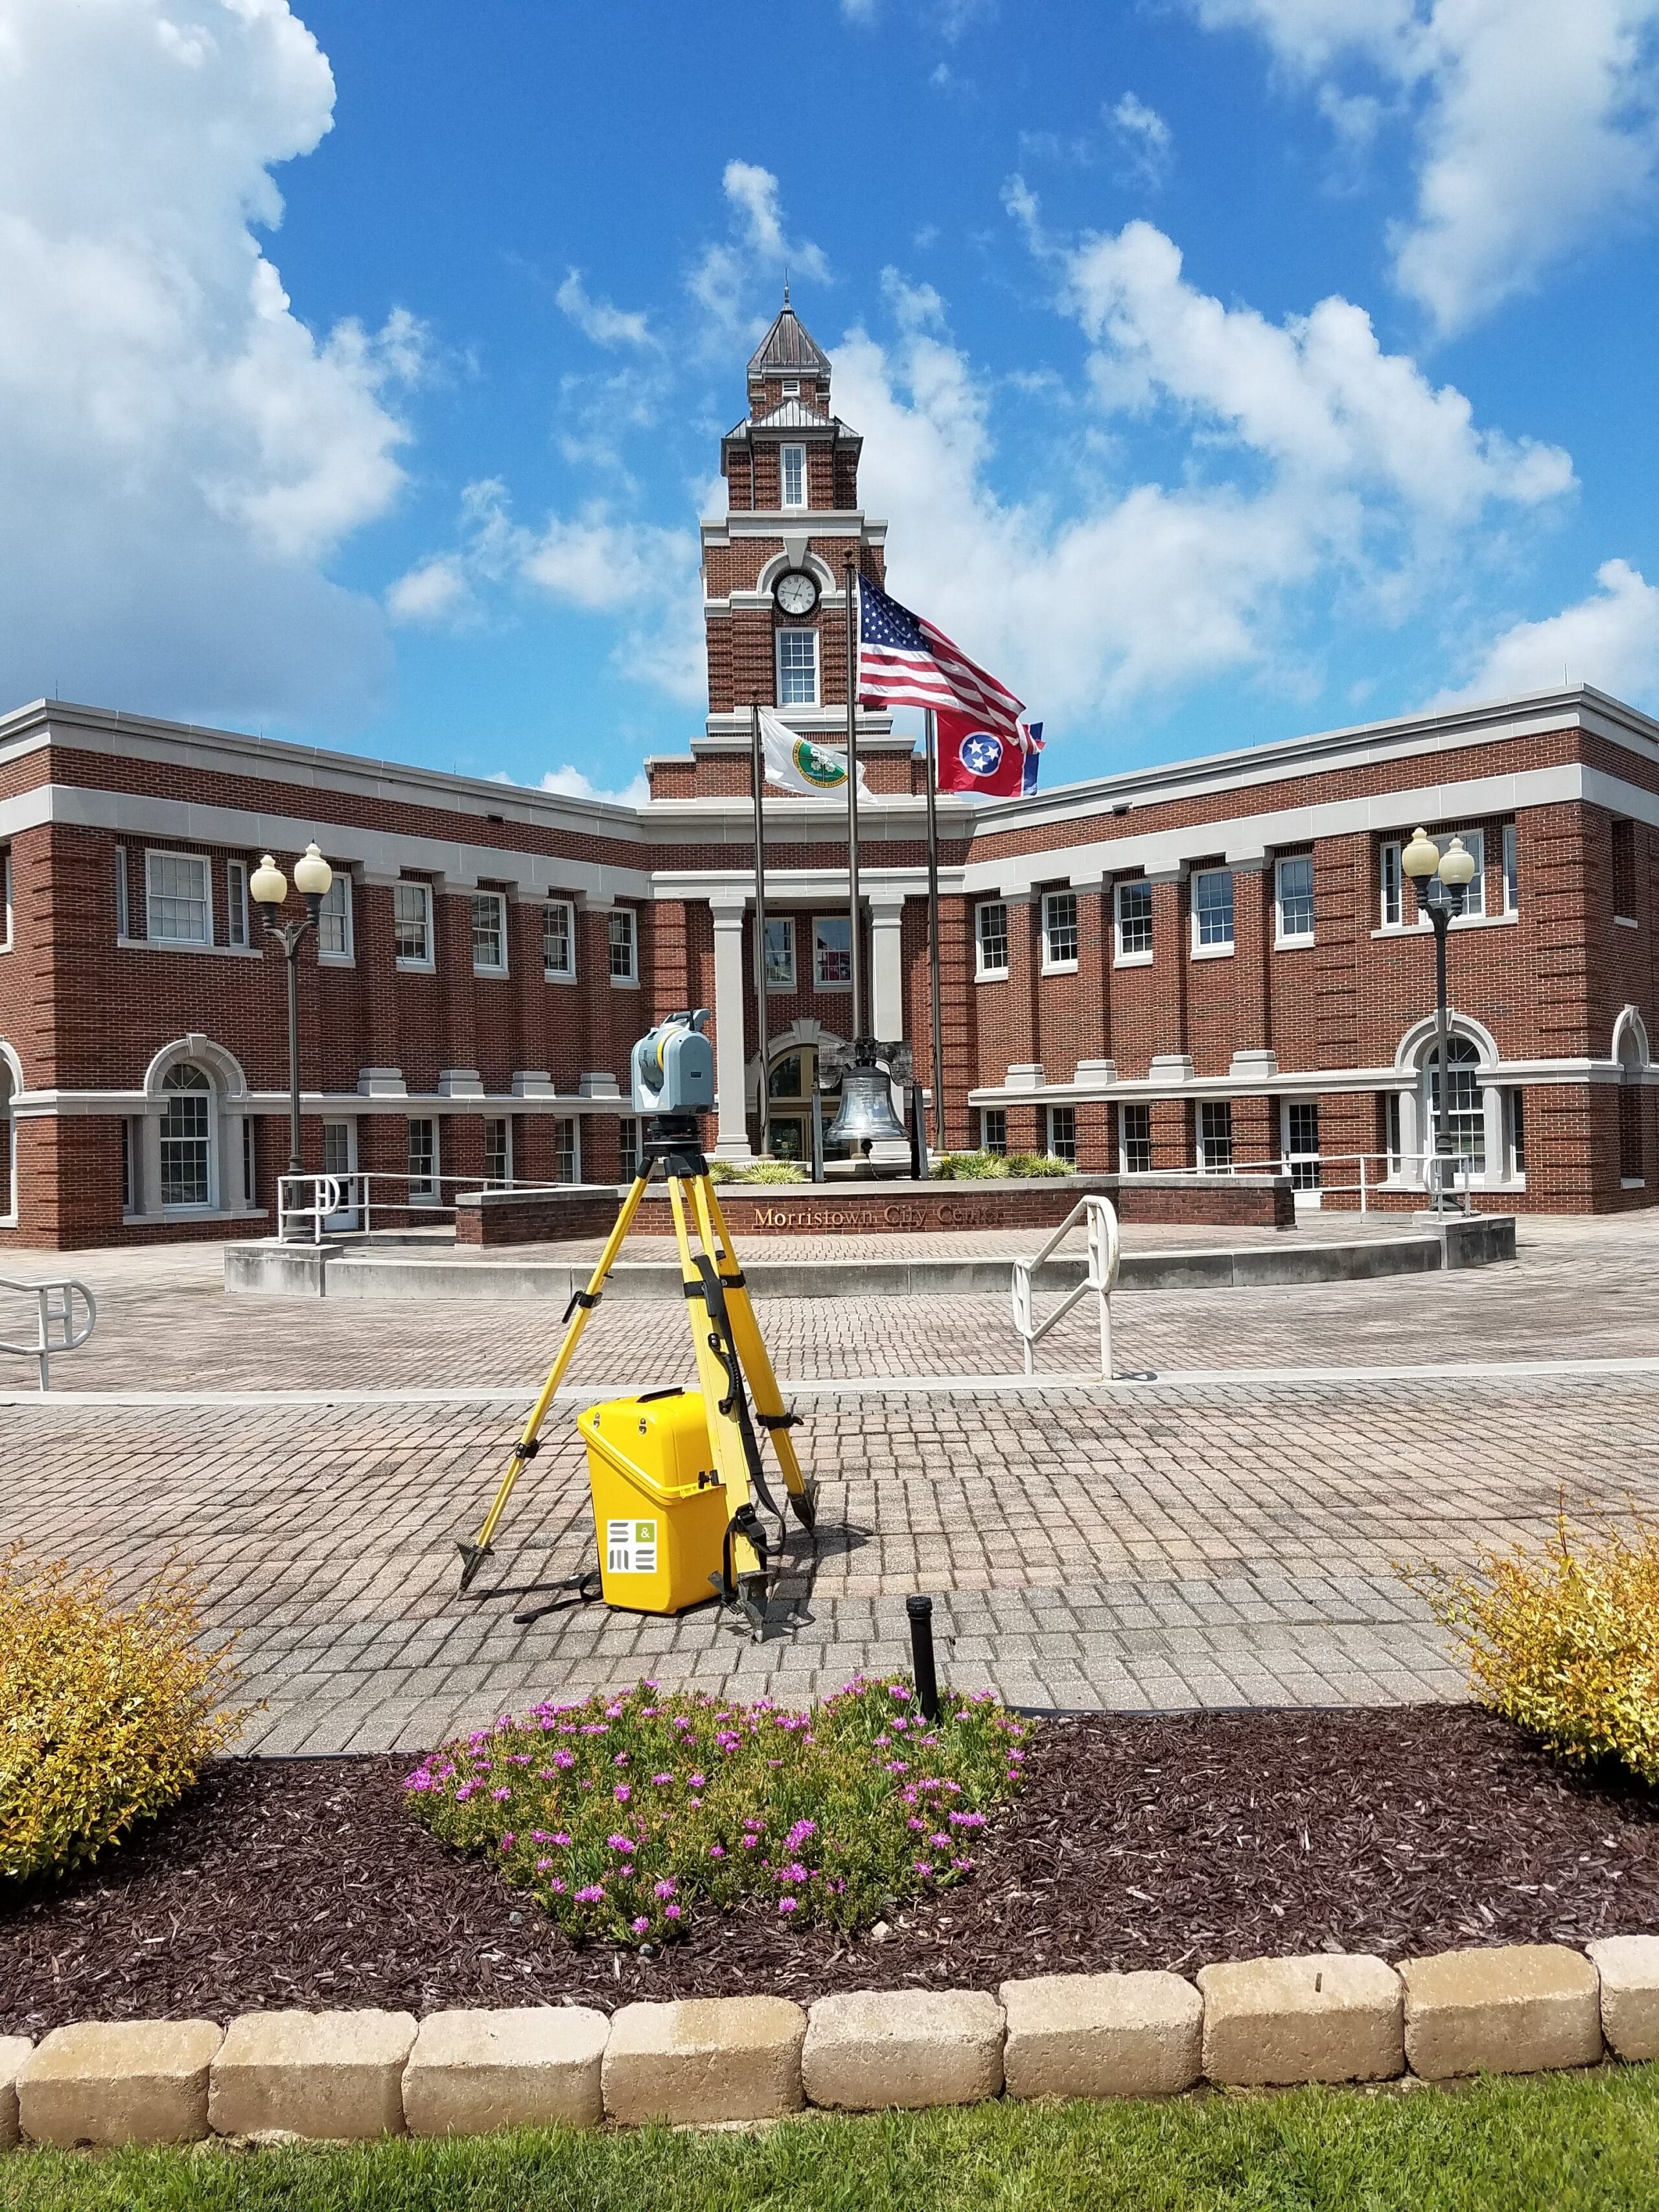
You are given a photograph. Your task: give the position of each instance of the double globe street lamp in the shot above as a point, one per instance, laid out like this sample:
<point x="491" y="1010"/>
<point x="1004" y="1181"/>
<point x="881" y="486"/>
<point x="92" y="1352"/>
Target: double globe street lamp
<point x="1441" y="881"/>
<point x="312" y="878"/>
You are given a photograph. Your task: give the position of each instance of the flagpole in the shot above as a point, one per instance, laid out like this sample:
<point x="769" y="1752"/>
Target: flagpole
<point x="757" y="778"/>
<point x="852" y="901"/>
<point x="932" y="727"/>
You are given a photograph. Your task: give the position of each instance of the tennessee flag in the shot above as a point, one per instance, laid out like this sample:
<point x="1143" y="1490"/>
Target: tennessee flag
<point x="975" y="758"/>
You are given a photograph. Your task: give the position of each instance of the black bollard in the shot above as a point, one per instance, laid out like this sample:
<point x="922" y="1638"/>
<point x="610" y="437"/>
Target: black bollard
<point x="921" y="1610"/>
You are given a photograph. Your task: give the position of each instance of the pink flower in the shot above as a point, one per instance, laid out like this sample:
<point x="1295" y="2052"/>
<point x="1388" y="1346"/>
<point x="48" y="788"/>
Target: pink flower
<point x="640" y="1925"/>
<point x="501" y="1796"/>
<point x="966" y="1820"/>
<point x="623" y="1844"/>
<point x="671" y="1912"/>
<point x="507" y="1841"/>
<point x="620" y="1760"/>
<point x="559" y="1836"/>
<point x="717" y="1850"/>
<point x="922" y="1866"/>
<point x="542" y="1865"/>
<point x="591" y="1895"/>
<point x="788" y="1904"/>
<point x="564" y="1758"/>
<point x="749" y="1842"/>
<point x="557" y="1885"/>
<point x="939" y="1843"/>
<point x="662" y="1780"/>
<point x="465" y="1791"/>
<point x="668" y="1888"/>
<point x="697" y="1780"/>
<point x="917" y="1824"/>
<point x="621" y="1793"/>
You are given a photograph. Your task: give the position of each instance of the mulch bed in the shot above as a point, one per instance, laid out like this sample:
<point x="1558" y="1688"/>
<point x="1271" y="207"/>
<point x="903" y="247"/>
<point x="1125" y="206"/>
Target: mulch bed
<point x="1136" y="1843"/>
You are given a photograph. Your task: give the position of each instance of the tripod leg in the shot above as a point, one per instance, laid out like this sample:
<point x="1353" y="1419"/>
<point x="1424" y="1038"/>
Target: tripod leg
<point x="743" y="1568"/>
<point x="473" y="1555"/>
<point x="756" y="1361"/>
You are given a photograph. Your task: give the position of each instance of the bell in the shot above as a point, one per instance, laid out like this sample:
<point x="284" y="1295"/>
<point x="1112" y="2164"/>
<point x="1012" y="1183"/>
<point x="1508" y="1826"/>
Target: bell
<point x="867" y="1106"/>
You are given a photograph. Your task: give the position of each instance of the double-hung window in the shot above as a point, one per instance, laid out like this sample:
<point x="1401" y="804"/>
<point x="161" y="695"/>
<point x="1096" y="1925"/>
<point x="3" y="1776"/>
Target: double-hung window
<point x="1212" y="910"/>
<point x="488" y="933"/>
<point x="1059" y="931"/>
<point x="334" y="922"/>
<point x="627" y="1147"/>
<point x="991" y="940"/>
<point x="1512" y="872"/>
<point x="566" y="1150"/>
<point x="411" y="925"/>
<point x="1294" y="879"/>
<point x="1062" y="1133"/>
<point x="621" y="935"/>
<point x="792" y="463"/>
<point x="1215" y="1136"/>
<point x="177" y="899"/>
<point x="1395" y="904"/>
<point x="1134" y="1140"/>
<point x="993" y="1129"/>
<point x="1392" y="880"/>
<point x="1133" y="906"/>
<point x="559" y="940"/>
<point x="1301" y="1130"/>
<point x="5" y="899"/>
<point x="187" y="1138"/>
<point x="832" y="952"/>
<point x="424" y="1186"/>
<point x="779" y="952"/>
<point x="497" y="1149"/>
<point x="798" y="668"/>
<point x="236" y="904"/>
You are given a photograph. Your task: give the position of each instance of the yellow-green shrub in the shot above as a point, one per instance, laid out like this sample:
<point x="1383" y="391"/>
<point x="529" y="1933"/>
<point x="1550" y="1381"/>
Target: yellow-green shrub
<point x="1564" y="1641"/>
<point x="107" y="1713"/>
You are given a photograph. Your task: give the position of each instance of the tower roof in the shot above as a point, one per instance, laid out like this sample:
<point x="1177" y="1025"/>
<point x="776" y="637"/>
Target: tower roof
<point x="787" y="349"/>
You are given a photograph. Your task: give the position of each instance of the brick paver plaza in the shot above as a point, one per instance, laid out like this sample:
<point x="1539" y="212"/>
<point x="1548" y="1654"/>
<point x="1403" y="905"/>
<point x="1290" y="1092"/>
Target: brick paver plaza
<point x="1189" y="1539"/>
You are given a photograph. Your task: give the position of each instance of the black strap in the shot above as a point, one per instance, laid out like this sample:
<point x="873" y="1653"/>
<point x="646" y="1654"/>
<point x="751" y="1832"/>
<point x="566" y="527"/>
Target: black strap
<point x="521" y="1451"/>
<point x="777" y="1420"/>
<point x="586" y="1299"/>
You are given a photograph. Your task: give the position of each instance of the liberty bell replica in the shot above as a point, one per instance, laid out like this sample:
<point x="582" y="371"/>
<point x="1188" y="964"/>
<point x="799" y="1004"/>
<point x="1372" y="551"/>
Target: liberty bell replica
<point x="866" y="1113"/>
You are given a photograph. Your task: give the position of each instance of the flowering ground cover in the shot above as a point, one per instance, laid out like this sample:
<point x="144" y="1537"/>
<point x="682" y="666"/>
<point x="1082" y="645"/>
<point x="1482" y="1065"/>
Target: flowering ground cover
<point x="627" y="1817"/>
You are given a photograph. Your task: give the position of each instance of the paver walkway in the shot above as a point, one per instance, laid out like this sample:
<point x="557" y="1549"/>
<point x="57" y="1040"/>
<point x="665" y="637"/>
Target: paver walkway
<point x="1139" y="1545"/>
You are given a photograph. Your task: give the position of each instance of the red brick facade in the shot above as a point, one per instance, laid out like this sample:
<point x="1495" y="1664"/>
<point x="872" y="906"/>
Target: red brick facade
<point x="1264" y="1043"/>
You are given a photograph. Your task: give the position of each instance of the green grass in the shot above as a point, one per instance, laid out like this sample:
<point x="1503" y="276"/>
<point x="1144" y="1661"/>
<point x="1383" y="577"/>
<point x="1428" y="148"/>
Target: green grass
<point x="1570" y="2143"/>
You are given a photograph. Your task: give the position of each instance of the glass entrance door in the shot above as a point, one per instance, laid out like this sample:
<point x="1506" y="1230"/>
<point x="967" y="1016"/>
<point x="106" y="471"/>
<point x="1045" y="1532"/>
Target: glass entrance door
<point x="789" y="1107"/>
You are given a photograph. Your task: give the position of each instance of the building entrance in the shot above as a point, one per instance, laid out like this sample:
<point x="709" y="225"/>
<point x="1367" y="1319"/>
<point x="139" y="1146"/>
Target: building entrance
<point x="789" y="1106"/>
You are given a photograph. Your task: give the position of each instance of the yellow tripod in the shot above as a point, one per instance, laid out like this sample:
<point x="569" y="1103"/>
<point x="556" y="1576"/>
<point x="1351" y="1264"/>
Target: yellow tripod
<point x="729" y="1349"/>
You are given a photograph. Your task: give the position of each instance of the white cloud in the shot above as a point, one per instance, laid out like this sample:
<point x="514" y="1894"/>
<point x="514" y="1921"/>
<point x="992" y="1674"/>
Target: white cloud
<point x="593" y="561"/>
<point x="1312" y="466"/>
<point x="759" y="244"/>
<point x="179" y="454"/>
<point x="1147" y="136"/>
<point x="574" y="784"/>
<point x="599" y="320"/>
<point x="1610" y="639"/>
<point x="1537" y="123"/>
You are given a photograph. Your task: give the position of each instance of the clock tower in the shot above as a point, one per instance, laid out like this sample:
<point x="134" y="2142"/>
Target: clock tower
<point x="775" y="599"/>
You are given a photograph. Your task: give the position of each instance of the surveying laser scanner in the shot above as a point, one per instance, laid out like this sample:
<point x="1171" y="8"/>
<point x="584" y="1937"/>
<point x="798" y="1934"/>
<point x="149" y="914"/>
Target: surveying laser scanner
<point x="676" y="1473"/>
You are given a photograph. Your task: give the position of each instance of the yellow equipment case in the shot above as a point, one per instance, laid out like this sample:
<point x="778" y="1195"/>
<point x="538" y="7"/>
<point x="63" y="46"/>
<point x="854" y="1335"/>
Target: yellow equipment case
<point x="659" y="1508"/>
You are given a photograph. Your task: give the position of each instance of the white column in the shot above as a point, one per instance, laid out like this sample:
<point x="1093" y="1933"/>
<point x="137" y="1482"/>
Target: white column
<point x="887" y="1012"/>
<point x="1491" y="1101"/>
<point x="730" y="923"/>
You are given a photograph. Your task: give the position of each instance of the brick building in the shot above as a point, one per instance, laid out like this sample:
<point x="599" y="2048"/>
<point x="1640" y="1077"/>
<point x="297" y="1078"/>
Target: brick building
<point x="1212" y="964"/>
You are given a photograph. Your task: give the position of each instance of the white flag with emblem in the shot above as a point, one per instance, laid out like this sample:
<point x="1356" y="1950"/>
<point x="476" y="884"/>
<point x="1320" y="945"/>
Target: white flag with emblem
<point x="796" y="763"/>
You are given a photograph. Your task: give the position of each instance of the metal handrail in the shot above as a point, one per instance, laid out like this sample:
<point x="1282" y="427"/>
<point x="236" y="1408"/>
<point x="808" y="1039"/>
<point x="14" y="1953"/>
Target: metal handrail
<point x="1286" y="1162"/>
<point x="316" y="1198"/>
<point x="54" y="1311"/>
<point x="1101" y="1216"/>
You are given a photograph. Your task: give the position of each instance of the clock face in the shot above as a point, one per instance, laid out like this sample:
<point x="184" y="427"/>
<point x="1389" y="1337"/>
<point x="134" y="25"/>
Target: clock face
<point x="795" y="592"/>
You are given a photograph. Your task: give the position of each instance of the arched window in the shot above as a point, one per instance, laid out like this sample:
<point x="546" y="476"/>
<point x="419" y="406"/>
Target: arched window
<point x="1459" y="1125"/>
<point x="1630" y="1050"/>
<point x="188" y="1178"/>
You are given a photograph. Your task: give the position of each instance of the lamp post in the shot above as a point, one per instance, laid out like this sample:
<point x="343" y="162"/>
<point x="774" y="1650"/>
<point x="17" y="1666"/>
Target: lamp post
<point x="312" y="878"/>
<point x="1441" y="882"/>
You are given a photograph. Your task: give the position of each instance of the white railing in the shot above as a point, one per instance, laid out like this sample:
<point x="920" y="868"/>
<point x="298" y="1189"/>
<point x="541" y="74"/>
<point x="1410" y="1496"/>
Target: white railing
<point x="346" y="1200"/>
<point x="1310" y="1177"/>
<point x="56" y="1327"/>
<point x="1101" y="1277"/>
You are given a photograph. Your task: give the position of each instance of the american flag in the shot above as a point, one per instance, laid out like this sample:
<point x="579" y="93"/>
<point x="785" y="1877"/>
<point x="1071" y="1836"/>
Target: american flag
<point x="904" y="661"/>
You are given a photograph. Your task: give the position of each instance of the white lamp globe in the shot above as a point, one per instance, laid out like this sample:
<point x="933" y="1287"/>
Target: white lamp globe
<point x="270" y="884"/>
<point x="1421" y="857"/>
<point x="1458" y="866"/>
<point x="312" y="873"/>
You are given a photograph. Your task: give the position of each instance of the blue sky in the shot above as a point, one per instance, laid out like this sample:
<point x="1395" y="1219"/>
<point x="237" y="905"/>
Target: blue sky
<point x="1227" y="367"/>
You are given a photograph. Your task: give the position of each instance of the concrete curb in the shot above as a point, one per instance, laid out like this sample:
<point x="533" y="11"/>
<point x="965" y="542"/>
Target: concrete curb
<point x="1521" y="2007"/>
<point x="310" y="1271"/>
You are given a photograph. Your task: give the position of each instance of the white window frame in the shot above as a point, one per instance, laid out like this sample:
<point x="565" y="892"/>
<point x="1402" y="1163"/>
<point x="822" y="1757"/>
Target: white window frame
<point x="153" y="898"/>
<point x="784" y="500"/>
<point x="1281" y="935"/>
<point x="431" y="1193"/>
<point x="794" y="630"/>
<point x="491" y="1177"/>
<point x="123" y="898"/>
<point x="791" y="388"/>
<point x="625" y="940"/>
<point x="345" y="1172"/>
<point x="1141" y="956"/>
<point x="8" y="930"/>
<point x="842" y="921"/>
<point x="346" y="957"/>
<point x="1512" y="873"/>
<point x="1214" y="948"/>
<point x="422" y="964"/>
<point x="1124" y="1111"/>
<point x="207" y="1093"/>
<point x="1204" y="1143"/>
<point x="628" y="1149"/>
<point x="1051" y="1139"/>
<point x="781" y="958"/>
<point x="573" y="1123"/>
<point x="988" y="1116"/>
<point x="1391" y="887"/>
<point x="567" y="972"/>
<point x="498" y="900"/>
<point x="985" y="970"/>
<point x="236" y="905"/>
<point x="1395" y="888"/>
<point x="1066" y="963"/>
<point x="1299" y="1162"/>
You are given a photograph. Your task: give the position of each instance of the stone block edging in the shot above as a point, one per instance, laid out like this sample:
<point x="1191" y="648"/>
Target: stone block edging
<point x="1520" y="2008"/>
